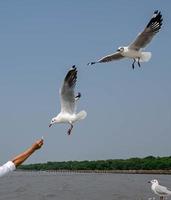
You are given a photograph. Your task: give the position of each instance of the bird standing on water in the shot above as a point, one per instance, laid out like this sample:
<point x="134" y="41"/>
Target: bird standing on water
<point x="160" y="190"/>
<point x="68" y="102"/>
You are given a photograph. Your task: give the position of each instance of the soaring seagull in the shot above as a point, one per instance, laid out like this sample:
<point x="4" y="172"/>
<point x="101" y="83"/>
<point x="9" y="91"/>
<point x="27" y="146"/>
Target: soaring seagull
<point x="133" y="51"/>
<point x="160" y="190"/>
<point x="68" y="101"/>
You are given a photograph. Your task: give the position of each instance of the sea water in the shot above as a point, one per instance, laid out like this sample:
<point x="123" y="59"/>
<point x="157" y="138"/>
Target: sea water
<point x="21" y="185"/>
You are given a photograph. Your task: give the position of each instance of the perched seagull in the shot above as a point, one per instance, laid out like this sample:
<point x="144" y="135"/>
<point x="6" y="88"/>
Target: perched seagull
<point x="68" y="102"/>
<point x="159" y="190"/>
<point x="133" y="51"/>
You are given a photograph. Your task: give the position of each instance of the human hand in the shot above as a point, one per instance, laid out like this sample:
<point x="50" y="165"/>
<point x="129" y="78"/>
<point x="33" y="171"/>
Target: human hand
<point x="38" y="144"/>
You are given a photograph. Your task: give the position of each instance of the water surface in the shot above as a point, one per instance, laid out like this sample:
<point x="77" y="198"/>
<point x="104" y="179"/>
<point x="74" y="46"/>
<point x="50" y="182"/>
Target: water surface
<point x="71" y="186"/>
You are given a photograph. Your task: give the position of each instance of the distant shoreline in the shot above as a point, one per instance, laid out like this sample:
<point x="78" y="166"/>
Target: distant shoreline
<point x="147" y="165"/>
<point x="167" y="172"/>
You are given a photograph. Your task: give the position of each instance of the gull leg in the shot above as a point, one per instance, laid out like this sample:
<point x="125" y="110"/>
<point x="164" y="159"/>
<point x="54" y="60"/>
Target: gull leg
<point x="78" y="96"/>
<point x="161" y="198"/>
<point x="139" y="62"/>
<point x="133" y="63"/>
<point x="70" y="129"/>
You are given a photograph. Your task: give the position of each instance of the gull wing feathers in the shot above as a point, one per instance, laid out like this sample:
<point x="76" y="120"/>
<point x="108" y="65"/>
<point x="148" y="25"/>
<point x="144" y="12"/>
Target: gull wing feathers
<point x="161" y="190"/>
<point x="150" y="30"/>
<point x="108" y="58"/>
<point x="111" y="57"/>
<point x="67" y="91"/>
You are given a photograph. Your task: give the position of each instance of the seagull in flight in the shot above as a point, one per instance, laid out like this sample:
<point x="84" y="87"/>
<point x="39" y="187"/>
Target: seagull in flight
<point x="68" y="101"/>
<point x="133" y="51"/>
<point x="159" y="190"/>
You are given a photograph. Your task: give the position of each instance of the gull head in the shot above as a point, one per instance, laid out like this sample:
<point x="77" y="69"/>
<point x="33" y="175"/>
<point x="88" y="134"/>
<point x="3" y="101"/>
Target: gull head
<point x="53" y="121"/>
<point x="155" y="181"/>
<point x="120" y="49"/>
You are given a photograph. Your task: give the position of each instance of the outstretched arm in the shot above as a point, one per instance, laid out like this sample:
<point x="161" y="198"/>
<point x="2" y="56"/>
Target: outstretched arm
<point x="18" y="160"/>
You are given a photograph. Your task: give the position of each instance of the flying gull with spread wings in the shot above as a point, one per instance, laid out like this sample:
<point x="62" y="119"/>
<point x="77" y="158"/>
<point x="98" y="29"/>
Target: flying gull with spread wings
<point x="68" y="101"/>
<point x="133" y="51"/>
<point x="160" y="190"/>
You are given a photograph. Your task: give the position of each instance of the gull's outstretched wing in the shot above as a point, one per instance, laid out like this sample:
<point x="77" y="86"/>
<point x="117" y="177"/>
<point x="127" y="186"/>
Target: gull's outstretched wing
<point x="150" y="30"/>
<point x="161" y="190"/>
<point x="108" y="58"/>
<point x="67" y="91"/>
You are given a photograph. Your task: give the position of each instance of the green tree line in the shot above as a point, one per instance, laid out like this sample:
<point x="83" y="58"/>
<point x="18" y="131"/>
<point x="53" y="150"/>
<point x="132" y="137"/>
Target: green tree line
<point x="147" y="163"/>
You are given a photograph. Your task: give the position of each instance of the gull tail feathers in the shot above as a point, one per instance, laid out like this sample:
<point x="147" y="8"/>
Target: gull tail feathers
<point x="81" y="115"/>
<point x="145" y="56"/>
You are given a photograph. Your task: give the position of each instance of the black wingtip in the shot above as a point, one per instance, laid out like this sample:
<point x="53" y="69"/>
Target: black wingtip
<point x="91" y="63"/>
<point x="71" y="76"/>
<point x="78" y="95"/>
<point x="156" y="18"/>
<point x="156" y="11"/>
<point x="73" y="68"/>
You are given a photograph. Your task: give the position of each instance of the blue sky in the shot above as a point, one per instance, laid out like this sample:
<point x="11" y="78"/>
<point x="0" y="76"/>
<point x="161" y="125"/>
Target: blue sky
<point x="129" y="111"/>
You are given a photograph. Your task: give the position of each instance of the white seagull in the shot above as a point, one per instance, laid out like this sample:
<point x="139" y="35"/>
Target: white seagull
<point x="133" y="51"/>
<point x="159" y="190"/>
<point x="68" y="102"/>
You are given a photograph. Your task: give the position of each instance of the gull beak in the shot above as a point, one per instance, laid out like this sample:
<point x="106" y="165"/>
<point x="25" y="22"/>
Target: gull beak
<point x="50" y="125"/>
<point x="118" y="50"/>
<point x="149" y="181"/>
